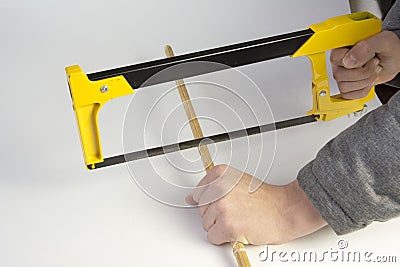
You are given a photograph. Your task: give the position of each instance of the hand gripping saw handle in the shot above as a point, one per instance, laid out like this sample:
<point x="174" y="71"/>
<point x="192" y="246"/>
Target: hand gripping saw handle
<point x="90" y="92"/>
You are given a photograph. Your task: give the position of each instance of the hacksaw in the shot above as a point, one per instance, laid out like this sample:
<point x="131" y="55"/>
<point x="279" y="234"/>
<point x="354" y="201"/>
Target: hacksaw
<point x="89" y="92"/>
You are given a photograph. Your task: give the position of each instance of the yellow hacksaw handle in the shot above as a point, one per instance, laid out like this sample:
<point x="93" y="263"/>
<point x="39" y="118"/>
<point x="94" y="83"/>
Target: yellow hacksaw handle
<point x="333" y="33"/>
<point x="88" y="97"/>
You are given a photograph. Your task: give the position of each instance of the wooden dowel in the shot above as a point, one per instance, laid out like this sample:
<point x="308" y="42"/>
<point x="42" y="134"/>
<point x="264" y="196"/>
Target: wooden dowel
<point x="191" y="115"/>
<point x="238" y="247"/>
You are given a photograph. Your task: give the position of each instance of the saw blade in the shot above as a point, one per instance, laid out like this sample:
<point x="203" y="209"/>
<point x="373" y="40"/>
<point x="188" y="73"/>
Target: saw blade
<point x="156" y="151"/>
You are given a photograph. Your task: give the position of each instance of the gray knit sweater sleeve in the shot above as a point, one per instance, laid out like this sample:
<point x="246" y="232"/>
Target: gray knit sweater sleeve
<point x="392" y="19"/>
<point x="355" y="178"/>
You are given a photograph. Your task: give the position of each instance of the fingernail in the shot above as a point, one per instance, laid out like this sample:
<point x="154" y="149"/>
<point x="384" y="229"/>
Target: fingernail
<point x="379" y="69"/>
<point x="349" y="61"/>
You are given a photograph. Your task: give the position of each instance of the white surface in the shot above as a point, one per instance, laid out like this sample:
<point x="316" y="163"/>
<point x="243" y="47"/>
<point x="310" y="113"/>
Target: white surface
<point x="55" y="213"/>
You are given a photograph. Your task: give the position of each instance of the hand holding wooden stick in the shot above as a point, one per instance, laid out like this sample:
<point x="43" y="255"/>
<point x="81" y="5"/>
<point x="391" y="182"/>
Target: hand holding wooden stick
<point x="238" y="248"/>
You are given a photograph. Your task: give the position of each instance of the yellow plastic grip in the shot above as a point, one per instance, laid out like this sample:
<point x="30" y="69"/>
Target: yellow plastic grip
<point x="333" y="33"/>
<point x="88" y="97"/>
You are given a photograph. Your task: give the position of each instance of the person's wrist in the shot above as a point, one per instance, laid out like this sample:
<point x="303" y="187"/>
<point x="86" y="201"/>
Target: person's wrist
<point x="301" y="215"/>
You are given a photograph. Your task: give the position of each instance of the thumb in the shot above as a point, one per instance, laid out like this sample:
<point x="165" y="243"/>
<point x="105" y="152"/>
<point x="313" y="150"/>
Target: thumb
<point x="364" y="51"/>
<point x="212" y="175"/>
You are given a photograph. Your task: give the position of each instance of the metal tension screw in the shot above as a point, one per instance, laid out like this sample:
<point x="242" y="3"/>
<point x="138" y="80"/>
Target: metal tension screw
<point x="104" y="89"/>
<point x="322" y="93"/>
<point x="360" y="112"/>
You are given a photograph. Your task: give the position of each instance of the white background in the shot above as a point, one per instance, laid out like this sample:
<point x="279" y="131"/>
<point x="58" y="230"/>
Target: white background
<point x="53" y="212"/>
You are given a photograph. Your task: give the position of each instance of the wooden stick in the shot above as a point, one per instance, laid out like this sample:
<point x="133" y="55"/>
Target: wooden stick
<point x="238" y="248"/>
<point x="191" y="115"/>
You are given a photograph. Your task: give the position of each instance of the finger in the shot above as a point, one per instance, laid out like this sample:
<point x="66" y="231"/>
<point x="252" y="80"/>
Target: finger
<point x="193" y="197"/>
<point x="218" y="234"/>
<point x="364" y="50"/>
<point x="209" y="217"/>
<point x="203" y="209"/>
<point x="356" y="94"/>
<point x="372" y="68"/>
<point x="337" y="55"/>
<point x="360" y="54"/>
<point x="219" y="188"/>
<point x="221" y="233"/>
<point x="189" y="199"/>
<point x="211" y="177"/>
<point x="347" y="87"/>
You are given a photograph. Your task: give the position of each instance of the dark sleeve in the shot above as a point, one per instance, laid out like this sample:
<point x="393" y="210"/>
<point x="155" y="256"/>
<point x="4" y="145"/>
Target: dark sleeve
<point x="355" y="178"/>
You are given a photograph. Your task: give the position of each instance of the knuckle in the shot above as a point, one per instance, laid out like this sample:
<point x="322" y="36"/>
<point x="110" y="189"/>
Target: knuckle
<point x="364" y="92"/>
<point x="372" y="78"/>
<point x="343" y="87"/>
<point x="364" y="71"/>
<point x="202" y="210"/>
<point x="221" y="207"/>
<point x="333" y="56"/>
<point x="336" y="75"/>
<point x="347" y="95"/>
<point x="370" y="81"/>
<point x="363" y="47"/>
<point x="370" y="69"/>
<point x="337" y="55"/>
<point x="213" y="239"/>
<point x="205" y="225"/>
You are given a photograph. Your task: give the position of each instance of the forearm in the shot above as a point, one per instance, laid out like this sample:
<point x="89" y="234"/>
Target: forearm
<point x="355" y="178"/>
